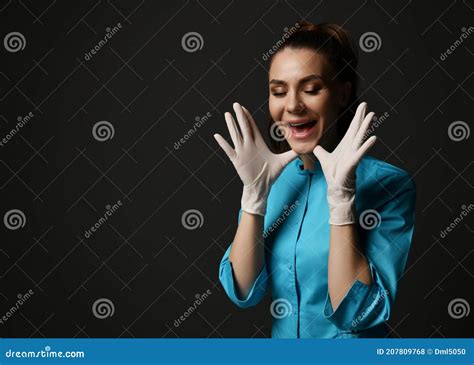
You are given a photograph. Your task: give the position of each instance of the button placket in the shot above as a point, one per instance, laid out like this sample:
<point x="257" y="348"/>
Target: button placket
<point x="300" y="220"/>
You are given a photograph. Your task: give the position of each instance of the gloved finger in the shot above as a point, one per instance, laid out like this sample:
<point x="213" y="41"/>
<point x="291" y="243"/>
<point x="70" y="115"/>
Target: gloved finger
<point x="321" y="154"/>
<point x="253" y="126"/>
<point x="257" y="136"/>
<point x="361" y="134"/>
<point x="364" y="148"/>
<point x="233" y="131"/>
<point x="225" y="146"/>
<point x="243" y="122"/>
<point x="355" y="124"/>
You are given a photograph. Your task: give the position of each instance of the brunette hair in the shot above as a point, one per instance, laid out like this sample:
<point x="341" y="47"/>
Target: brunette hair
<point x="335" y="43"/>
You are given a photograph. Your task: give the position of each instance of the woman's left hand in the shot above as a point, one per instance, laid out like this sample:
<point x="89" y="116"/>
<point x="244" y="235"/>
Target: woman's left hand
<point x="340" y="165"/>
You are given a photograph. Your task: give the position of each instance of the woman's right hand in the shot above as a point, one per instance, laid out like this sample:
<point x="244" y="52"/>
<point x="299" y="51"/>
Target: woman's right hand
<point x="255" y="164"/>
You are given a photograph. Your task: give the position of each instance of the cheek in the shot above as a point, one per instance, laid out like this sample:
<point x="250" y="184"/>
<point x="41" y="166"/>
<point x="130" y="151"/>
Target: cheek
<point x="323" y="106"/>
<point x="319" y="103"/>
<point x="276" y="108"/>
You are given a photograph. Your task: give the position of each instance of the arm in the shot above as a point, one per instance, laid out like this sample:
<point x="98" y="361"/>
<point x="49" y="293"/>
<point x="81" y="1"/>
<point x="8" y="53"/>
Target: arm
<point x="362" y="286"/>
<point x="346" y="262"/>
<point x="247" y="252"/>
<point x="242" y="271"/>
<point x="386" y="247"/>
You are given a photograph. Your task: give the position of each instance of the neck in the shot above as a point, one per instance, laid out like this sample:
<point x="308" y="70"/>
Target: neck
<point x="308" y="160"/>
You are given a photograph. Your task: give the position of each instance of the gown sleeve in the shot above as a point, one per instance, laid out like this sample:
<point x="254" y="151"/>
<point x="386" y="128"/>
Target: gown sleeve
<point x="386" y="248"/>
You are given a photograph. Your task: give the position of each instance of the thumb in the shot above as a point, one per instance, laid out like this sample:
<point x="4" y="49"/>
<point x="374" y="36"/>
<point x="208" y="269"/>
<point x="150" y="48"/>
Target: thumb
<point x="320" y="153"/>
<point x="225" y="146"/>
<point x="287" y="157"/>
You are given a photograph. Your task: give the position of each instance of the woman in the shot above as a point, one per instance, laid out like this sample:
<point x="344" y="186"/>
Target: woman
<point x="327" y="228"/>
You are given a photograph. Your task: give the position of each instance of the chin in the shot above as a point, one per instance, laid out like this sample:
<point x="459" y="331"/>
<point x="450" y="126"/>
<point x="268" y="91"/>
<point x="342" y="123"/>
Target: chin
<point x="303" y="147"/>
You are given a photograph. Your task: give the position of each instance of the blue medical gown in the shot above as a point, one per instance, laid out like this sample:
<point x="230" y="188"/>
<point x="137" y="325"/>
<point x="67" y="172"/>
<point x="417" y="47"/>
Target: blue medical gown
<point x="296" y="237"/>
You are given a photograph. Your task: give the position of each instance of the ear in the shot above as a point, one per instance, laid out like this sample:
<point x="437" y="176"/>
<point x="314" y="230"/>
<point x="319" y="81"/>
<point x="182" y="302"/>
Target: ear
<point x="345" y="93"/>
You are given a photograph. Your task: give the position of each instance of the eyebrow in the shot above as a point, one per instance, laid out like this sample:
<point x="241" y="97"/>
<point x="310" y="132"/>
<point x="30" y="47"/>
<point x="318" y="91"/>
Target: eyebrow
<point x="302" y="81"/>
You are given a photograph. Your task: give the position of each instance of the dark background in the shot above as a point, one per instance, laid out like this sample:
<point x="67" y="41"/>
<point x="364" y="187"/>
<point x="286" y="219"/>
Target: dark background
<point x="151" y="90"/>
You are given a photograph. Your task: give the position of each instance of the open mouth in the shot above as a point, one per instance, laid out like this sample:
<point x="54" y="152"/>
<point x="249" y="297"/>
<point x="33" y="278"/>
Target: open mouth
<point x="303" y="129"/>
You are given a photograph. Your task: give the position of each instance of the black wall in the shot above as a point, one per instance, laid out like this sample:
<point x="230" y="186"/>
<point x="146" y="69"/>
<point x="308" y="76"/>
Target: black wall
<point x="150" y="89"/>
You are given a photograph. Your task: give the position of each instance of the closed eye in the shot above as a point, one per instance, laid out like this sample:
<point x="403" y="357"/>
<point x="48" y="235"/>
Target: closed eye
<point x="312" y="91"/>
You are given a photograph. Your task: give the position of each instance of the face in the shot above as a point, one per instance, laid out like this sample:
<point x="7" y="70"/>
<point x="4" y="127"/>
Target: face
<point x="305" y="98"/>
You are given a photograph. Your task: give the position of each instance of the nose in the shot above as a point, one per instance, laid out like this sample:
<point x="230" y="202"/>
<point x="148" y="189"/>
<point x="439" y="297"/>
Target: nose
<point x="294" y="104"/>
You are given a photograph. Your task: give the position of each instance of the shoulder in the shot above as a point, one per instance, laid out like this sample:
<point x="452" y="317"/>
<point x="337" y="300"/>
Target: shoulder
<point x="377" y="174"/>
<point x="374" y="169"/>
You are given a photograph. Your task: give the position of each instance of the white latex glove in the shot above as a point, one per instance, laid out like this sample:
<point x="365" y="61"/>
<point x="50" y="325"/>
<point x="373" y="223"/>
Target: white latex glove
<point x="340" y="165"/>
<point x="255" y="164"/>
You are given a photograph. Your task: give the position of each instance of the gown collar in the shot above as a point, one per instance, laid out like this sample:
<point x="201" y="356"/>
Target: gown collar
<point x="300" y="167"/>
